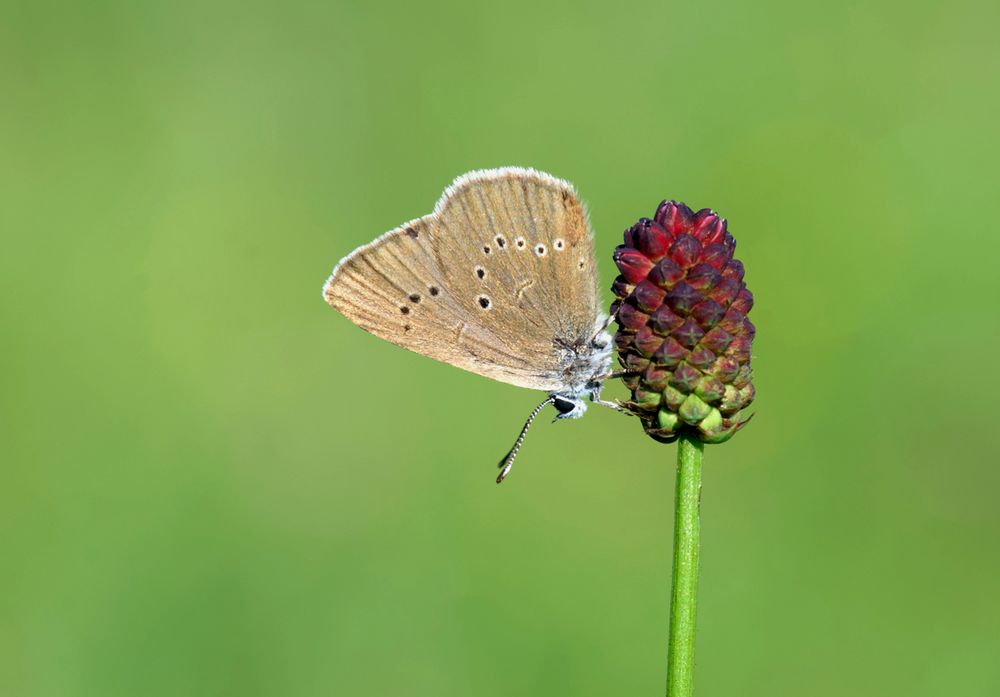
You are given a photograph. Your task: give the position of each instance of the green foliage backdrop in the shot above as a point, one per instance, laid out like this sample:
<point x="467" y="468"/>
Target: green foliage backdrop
<point x="212" y="484"/>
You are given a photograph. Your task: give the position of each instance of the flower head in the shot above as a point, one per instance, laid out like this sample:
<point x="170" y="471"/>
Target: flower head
<point x="683" y="332"/>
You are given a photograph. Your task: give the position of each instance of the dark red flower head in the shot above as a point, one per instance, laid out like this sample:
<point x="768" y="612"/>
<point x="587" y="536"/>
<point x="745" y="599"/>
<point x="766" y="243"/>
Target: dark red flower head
<point x="683" y="328"/>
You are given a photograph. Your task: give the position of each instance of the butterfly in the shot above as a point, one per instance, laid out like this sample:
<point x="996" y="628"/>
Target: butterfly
<point x="499" y="280"/>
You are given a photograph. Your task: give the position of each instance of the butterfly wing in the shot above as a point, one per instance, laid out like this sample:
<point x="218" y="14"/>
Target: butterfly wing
<point x="499" y="280"/>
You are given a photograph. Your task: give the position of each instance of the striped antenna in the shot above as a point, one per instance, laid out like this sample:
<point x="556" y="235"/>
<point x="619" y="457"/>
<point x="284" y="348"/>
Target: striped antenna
<point x="508" y="459"/>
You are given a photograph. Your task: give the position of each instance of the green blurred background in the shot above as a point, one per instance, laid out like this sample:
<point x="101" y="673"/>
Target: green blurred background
<point x="212" y="484"/>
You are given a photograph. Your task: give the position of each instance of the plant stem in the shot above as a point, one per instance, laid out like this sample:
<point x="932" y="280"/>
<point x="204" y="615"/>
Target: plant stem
<point x="684" y="596"/>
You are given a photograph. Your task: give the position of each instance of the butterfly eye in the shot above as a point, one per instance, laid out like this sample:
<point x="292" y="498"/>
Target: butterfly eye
<point x="563" y="406"/>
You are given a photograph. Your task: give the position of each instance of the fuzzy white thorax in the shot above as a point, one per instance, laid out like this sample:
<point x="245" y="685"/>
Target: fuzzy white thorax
<point x="586" y="370"/>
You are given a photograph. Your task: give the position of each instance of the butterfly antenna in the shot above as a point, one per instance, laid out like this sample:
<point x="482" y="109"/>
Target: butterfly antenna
<point x="508" y="459"/>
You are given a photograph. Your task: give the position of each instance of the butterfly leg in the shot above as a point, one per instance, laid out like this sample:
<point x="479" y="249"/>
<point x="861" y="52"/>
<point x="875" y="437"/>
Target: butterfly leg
<point x="618" y="374"/>
<point x="595" y="398"/>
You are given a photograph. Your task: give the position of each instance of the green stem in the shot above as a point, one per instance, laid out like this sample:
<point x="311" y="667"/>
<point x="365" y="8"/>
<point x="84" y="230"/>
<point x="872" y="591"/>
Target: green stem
<point x="684" y="596"/>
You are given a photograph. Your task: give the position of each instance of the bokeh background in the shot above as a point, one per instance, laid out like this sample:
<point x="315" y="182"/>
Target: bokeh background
<point x="212" y="484"/>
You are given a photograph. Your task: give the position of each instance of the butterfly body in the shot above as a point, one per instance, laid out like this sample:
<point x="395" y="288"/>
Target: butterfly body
<point x="499" y="280"/>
